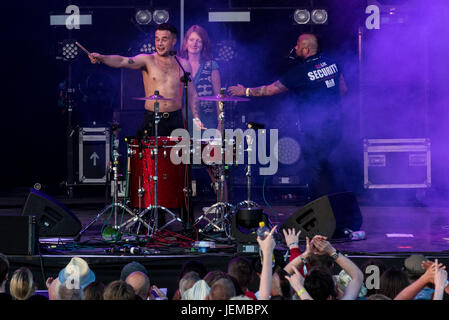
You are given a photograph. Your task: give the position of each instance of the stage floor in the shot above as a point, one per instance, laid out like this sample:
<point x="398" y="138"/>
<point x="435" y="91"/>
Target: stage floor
<point x="399" y="228"/>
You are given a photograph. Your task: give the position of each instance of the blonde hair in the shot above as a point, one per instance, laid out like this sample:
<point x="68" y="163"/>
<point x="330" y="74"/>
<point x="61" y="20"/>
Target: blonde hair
<point x="22" y="286"/>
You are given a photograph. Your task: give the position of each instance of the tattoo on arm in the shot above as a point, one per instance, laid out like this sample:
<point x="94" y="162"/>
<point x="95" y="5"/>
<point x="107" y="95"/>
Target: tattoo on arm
<point x="131" y="61"/>
<point x="263" y="91"/>
<point x="257" y="92"/>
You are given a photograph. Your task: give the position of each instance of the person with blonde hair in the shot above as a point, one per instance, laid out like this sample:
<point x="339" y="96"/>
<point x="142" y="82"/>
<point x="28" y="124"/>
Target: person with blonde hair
<point x="22" y="284"/>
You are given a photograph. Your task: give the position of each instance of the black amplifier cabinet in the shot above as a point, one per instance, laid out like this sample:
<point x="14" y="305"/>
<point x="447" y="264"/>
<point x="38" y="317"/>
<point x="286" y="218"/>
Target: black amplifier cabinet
<point x="18" y="235"/>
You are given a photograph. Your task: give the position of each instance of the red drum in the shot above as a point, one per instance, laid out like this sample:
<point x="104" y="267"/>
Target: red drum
<point x="207" y="152"/>
<point x="170" y="176"/>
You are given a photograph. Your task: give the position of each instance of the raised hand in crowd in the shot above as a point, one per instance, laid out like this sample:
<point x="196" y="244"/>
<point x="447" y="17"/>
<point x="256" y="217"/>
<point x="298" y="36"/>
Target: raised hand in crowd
<point x="427" y="264"/>
<point x="160" y="294"/>
<point x="440" y="281"/>
<point x="300" y="260"/>
<point x="296" y="281"/>
<point x="410" y="292"/>
<point x="352" y="290"/>
<point x="267" y="246"/>
<point x="291" y="238"/>
<point x="320" y="245"/>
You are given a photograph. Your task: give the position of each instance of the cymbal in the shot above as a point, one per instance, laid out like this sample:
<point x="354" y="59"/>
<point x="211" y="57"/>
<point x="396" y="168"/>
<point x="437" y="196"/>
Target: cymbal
<point x="154" y="98"/>
<point x="219" y="97"/>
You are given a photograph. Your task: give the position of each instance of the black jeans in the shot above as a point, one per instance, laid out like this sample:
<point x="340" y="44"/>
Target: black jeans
<point x="168" y="122"/>
<point x="319" y="149"/>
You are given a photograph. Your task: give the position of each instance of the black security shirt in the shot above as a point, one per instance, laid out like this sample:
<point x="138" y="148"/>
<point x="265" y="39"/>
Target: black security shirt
<point x="316" y="83"/>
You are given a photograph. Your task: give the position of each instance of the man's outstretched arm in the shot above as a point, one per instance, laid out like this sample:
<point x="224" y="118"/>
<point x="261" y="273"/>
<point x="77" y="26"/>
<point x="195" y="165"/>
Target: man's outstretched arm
<point x="115" y="61"/>
<point x="262" y="91"/>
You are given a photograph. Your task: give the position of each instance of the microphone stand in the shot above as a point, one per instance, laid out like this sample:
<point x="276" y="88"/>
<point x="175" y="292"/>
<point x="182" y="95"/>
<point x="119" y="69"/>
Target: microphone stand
<point x="188" y="217"/>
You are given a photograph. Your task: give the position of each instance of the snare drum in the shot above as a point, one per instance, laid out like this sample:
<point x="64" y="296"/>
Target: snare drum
<point x="171" y="176"/>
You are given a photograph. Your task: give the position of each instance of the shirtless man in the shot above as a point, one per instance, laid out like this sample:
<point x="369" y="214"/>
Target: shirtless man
<point x="161" y="73"/>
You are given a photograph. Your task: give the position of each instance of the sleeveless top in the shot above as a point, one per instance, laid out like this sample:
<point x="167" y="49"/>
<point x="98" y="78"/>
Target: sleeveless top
<point x="203" y="86"/>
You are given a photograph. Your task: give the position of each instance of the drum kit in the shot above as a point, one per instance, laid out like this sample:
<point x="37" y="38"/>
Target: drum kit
<point x="155" y="183"/>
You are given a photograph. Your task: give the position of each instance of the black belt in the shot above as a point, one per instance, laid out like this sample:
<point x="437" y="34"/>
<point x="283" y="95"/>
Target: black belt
<point x="164" y="115"/>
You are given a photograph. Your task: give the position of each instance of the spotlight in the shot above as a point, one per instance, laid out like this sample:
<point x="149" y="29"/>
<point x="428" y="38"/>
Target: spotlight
<point x="143" y="17"/>
<point x="160" y="16"/>
<point x="69" y="49"/>
<point x="301" y="16"/>
<point x="319" y="16"/>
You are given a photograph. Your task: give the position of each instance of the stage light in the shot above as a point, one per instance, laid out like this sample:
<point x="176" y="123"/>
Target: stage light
<point x="289" y="150"/>
<point x="160" y="16"/>
<point x="301" y="16"/>
<point x="143" y="17"/>
<point x="319" y="16"/>
<point x="147" y="48"/>
<point x="69" y="49"/>
<point x="225" y="51"/>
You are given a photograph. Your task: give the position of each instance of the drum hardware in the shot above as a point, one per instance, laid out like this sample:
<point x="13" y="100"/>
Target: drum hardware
<point x="221" y="210"/>
<point x="189" y="214"/>
<point x="249" y="207"/>
<point x="115" y="203"/>
<point x="154" y="209"/>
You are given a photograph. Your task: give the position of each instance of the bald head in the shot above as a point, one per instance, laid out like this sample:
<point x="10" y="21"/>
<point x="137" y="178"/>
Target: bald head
<point x="307" y="45"/>
<point x="222" y="289"/>
<point x="140" y="283"/>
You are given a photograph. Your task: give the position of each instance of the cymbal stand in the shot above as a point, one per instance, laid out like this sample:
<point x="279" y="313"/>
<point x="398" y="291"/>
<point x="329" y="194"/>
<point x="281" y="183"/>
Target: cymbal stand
<point x="248" y="202"/>
<point x="221" y="221"/>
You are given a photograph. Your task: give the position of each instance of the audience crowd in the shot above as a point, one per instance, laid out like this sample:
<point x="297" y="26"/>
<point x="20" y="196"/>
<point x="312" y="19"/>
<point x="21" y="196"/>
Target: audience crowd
<point x="308" y="275"/>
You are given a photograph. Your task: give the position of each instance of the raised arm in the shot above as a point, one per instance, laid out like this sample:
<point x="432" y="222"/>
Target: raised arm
<point x="299" y="260"/>
<point x="267" y="245"/>
<point x="410" y="292"/>
<point x="262" y="91"/>
<point x="296" y="281"/>
<point x="440" y="283"/>
<point x="354" y="286"/>
<point x="115" y="61"/>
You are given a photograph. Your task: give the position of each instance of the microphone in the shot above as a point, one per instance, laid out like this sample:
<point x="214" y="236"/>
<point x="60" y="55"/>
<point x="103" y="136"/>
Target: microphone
<point x="172" y="53"/>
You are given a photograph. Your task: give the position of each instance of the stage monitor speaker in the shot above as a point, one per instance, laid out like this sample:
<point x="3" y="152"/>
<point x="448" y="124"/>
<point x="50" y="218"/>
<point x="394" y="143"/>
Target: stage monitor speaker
<point x="53" y="218"/>
<point x="327" y="216"/>
<point x="18" y="235"/>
